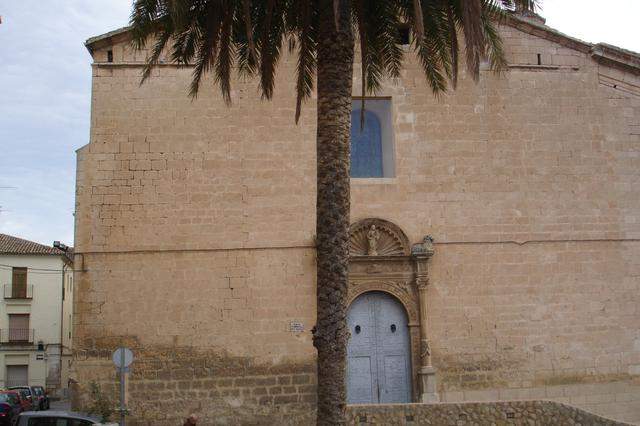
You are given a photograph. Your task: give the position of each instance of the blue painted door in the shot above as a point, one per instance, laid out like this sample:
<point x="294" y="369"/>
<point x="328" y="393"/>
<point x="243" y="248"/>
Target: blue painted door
<point x="378" y="361"/>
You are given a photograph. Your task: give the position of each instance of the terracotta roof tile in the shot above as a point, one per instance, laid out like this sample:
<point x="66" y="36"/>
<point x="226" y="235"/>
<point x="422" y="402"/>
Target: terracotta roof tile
<point x="14" y="245"/>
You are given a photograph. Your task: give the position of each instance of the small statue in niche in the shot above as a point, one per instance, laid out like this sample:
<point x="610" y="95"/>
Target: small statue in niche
<point x="372" y="237"/>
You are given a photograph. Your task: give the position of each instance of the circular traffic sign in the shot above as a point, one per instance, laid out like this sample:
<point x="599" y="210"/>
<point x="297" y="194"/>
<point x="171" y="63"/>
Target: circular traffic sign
<point x="122" y="357"/>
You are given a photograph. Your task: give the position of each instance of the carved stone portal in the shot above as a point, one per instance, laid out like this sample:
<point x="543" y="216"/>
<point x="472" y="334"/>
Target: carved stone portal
<point x="382" y="259"/>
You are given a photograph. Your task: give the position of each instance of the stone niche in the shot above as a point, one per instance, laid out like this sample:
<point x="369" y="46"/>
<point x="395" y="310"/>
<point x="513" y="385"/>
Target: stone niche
<point x="381" y="258"/>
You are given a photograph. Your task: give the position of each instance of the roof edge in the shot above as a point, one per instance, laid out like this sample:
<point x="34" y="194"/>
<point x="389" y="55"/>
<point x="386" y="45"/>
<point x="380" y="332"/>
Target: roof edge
<point x="531" y="27"/>
<point x="11" y="245"/>
<point x="607" y="54"/>
<point x="604" y="53"/>
<point x="91" y="42"/>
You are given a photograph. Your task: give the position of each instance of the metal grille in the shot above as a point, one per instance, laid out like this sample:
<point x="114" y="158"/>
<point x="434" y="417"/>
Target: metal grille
<point x="18" y="291"/>
<point x="16" y="335"/>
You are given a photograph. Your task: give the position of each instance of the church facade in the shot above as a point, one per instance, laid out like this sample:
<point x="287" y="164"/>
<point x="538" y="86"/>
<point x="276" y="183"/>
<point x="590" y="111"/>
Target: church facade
<point x="495" y="238"/>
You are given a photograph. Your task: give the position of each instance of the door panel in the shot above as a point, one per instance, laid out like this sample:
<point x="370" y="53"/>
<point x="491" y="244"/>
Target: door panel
<point x="392" y="332"/>
<point x="362" y="387"/>
<point x="395" y="385"/>
<point x="360" y="383"/>
<point x="378" y="362"/>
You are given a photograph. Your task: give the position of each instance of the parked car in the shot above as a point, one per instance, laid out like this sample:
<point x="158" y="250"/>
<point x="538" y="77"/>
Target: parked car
<point x="27" y="395"/>
<point x="41" y="395"/>
<point x="24" y="395"/>
<point x="57" y="418"/>
<point x="10" y="407"/>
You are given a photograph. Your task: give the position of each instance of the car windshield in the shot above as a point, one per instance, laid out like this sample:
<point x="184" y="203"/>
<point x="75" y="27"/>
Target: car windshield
<point x="4" y="397"/>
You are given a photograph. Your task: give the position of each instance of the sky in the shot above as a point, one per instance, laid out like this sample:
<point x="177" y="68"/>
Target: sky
<point x="45" y="93"/>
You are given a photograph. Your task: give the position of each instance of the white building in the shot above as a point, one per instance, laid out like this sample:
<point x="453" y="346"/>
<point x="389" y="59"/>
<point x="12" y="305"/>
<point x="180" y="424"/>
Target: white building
<point x="35" y="314"/>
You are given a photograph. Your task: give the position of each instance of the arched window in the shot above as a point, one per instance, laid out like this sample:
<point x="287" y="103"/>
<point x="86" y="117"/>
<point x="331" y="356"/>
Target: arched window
<point x="366" y="145"/>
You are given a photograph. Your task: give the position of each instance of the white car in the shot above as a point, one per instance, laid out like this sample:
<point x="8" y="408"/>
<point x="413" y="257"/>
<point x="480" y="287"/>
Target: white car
<point x="57" y="418"/>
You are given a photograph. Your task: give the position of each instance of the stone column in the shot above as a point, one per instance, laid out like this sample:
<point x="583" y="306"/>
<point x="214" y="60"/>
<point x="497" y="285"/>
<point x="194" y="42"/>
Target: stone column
<point x="427" y="373"/>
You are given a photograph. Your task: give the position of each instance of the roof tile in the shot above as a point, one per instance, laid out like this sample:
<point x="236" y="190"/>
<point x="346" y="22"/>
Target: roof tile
<point x="14" y="245"/>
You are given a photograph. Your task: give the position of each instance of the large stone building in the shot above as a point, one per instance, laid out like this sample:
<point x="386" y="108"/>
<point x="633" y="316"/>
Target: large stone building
<point x="495" y="238"/>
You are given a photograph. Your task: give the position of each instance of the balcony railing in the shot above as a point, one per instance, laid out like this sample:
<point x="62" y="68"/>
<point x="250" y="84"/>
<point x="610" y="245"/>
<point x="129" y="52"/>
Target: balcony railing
<point x="16" y="335"/>
<point x="18" y="291"/>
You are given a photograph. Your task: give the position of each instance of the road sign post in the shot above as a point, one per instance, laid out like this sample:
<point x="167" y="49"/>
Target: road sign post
<point x="122" y="358"/>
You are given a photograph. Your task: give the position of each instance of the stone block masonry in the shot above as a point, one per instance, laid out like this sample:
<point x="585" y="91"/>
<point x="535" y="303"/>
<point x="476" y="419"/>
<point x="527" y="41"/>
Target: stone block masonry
<point x="221" y="347"/>
<point x="195" y="225"/>
<point x="525" y="413"/>
<point x="169" y="383"/>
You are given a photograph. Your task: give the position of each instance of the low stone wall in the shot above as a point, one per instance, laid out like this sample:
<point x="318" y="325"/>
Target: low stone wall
<point x="167" y="384"/>
<point x="475" y="413"/>
<point x="611" y="399"/>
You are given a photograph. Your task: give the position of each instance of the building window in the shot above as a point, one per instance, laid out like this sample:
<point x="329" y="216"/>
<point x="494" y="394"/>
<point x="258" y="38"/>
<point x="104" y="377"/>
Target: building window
<point x="19" y="328"/>
<point x="372" y="154"/>
<point x="19" y="283"/>
<point x="17" y="375"/>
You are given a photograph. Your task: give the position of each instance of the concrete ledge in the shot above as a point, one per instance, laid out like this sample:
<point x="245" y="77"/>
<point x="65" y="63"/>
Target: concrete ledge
<point x="475" y="413"/>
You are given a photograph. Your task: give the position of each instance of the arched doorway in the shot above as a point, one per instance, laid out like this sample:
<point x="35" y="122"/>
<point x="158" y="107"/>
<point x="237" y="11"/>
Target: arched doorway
<point x="378" y="354"/>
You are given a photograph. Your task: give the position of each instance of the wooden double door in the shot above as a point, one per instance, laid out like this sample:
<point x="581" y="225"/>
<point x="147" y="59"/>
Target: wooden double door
<point x="378" y="353"/>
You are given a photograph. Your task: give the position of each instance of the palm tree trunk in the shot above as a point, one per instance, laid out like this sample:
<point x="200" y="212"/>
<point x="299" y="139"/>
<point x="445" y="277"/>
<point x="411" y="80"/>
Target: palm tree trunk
<point x="335" y="71"/>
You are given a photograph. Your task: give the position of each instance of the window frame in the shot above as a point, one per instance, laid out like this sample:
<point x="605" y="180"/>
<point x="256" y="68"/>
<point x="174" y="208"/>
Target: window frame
<point x="389" y="155"/>
<point x="19" y="280"/>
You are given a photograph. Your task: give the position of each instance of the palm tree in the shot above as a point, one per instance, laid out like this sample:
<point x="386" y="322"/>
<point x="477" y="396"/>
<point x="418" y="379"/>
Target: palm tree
<point x="219" y="35"/>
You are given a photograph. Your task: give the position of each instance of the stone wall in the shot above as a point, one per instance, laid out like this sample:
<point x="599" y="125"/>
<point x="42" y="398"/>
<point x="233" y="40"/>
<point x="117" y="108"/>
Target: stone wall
<point x="528" y="413"/>
<point x="610" y="399"/>
<point x="166" y="384"/>
<point x="195" y="224"/>
<point x="222" y="342"/>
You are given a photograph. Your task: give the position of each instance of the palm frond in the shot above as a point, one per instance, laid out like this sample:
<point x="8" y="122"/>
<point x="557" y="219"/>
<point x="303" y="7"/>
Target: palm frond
<point x="219" y="36"/>
<point x="246" y="14"/>
<point x="453" y="35"/>
<point x="269" y="45"/>
<point x="306" y="54"/>
<point x="143" y="20"/>
<point x="475" y="41"/>
<point x="164" y="35"/>
<point x="225" y="55"/>
<point x="206" y="50"/>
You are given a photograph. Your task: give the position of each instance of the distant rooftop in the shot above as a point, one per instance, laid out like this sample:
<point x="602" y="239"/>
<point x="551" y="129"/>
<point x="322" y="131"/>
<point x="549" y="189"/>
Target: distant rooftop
<point x="14" y="245"/>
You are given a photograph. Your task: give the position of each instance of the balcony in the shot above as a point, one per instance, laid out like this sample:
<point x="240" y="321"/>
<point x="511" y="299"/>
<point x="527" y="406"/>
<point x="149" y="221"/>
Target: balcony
<point x="18" y="291"/>
<point x="16" y="336"/>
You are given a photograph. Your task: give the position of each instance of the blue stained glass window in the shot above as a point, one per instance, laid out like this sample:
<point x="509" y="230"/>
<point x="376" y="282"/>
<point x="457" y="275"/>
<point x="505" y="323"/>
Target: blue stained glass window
<point x="366" y="145"/>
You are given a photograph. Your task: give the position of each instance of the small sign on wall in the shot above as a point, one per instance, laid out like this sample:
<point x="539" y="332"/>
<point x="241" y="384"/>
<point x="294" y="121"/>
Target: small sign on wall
<point x="39" y="356"/>
<point x="296" y="327"/>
